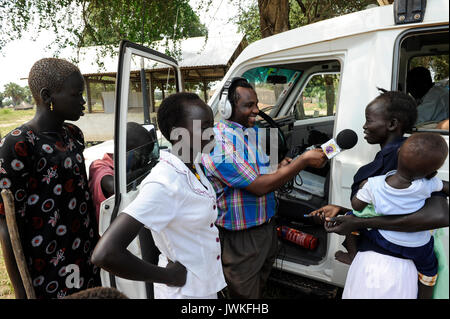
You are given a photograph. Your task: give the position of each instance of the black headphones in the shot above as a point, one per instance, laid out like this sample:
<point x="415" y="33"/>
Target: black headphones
<point x="225" y="107"/>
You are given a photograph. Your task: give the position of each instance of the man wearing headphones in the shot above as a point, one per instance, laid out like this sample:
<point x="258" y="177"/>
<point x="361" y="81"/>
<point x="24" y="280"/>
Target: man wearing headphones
<point x="245" y="191"/>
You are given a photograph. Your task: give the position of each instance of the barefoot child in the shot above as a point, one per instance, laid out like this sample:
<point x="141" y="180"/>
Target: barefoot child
<point x="404" y="191"/>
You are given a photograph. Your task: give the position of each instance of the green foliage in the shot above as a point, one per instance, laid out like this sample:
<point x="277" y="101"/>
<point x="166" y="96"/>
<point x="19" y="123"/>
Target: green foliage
<point x="16" y="92"/>
<point x="247" y="20"/>
<point x="316" y="87"/>
<point x="28" y="95"/>
<point x="302" y="12"/>
<point x="5" y="111"/>
<point x="139" y="21"/>
<point x="78" y="23"/>
<point x="438" y="64"/>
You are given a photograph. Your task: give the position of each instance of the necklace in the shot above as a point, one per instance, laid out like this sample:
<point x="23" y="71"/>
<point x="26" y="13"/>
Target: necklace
<point x="196" y="174"/>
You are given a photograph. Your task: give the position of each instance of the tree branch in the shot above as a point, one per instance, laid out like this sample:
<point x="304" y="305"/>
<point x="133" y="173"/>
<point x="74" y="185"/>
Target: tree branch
<point x="302" y="6"/>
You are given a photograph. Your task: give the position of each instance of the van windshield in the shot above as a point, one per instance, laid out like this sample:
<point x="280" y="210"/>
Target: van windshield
<point x="272" y="84"/>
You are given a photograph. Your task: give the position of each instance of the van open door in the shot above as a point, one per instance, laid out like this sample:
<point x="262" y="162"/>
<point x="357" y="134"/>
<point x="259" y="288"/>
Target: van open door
<point x="144" y="78"/>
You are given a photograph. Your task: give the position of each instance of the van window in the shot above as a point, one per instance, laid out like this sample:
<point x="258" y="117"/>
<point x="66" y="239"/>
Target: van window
<point x="142" y="109"/>
<point x="437" y="64"/>
<point x="423" y="71"/>
<point x="141" y="158"/>
<point x="272" y="84"/>
<point x="318" y="98"/>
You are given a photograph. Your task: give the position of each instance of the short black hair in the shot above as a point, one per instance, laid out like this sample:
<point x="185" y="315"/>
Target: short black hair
<point x="172" y="112"/>
<point x="429" y="143"/>
<point x="137" y="136"/>
<point x="419" y="76"/>
<point x="425" y="153"/>
<point x="49" y="73"/>
<point x="233" y="96"/>
<point x="400" y="106"/>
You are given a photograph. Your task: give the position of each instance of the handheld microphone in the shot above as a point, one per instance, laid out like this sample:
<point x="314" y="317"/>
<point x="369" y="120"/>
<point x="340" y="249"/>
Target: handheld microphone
<point x="345" y="140"/>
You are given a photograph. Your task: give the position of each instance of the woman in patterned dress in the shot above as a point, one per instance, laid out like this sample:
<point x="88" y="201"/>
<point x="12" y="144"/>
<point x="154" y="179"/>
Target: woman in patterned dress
<point x="42" y="163"/>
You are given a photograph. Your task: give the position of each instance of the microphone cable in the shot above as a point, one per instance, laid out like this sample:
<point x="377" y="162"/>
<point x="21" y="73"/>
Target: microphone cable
<point x="289" y="186"/>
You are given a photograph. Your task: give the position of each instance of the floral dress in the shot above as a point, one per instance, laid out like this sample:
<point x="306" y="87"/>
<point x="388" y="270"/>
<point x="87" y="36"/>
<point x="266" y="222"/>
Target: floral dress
<point x="55" y="216"/>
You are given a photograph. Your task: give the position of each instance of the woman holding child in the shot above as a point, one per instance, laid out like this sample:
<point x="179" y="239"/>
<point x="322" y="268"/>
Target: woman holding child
<point x="375" y="273"/>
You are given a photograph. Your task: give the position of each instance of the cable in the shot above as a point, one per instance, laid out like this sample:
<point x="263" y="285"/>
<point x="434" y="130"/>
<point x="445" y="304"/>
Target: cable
<point x="301" y="180"/>
<point x="212" y="19"/>
<point x="289" y="186"/>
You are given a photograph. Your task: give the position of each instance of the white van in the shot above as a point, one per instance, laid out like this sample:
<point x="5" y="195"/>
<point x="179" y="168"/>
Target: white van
<point x="314" y="81"/>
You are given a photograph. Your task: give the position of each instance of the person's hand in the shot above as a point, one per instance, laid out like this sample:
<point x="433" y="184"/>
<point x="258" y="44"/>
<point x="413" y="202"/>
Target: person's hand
<point x="315" y="158"/>
<point x="327" y="211"/>
<point x="342" y="225"/>
<point x="443" y="125"/>
<point x="286" y="161"/>
<point x="177" y="273"/>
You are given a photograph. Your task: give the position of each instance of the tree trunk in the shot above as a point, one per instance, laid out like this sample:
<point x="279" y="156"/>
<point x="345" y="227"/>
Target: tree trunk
<point x="329" y="94"/>
<point x="385" y="2"/>
<point x="274" y="16"/>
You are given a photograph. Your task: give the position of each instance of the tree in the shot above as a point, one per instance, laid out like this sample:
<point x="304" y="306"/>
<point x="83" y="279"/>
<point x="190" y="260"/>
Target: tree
<point x="79" y="23"/>
<point x="15" y="92"/>
<point x="141" y="21"/>
<point x="310" y="11"/>
<point x="248" y="20"/>
<point x="257" y="19"/>
<point x="28" y="95"/>
<point x="437" y="64"/>
<point x="274" y="16"/>
<point x="1" y="99"/>
<point x="263" y="18"/>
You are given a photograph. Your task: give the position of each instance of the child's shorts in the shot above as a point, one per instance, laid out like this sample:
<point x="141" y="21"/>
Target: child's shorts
<point x="423" y="257"/>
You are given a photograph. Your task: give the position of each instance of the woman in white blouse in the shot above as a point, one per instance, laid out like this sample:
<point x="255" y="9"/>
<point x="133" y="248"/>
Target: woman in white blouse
<point x="178" y="204"/>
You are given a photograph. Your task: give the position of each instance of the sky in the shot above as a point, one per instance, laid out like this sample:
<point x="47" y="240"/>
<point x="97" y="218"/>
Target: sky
<point x="19" y="56"/>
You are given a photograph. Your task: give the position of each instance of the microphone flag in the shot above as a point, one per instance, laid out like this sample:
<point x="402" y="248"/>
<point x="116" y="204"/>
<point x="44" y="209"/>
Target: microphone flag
<point x="331" y="148"/>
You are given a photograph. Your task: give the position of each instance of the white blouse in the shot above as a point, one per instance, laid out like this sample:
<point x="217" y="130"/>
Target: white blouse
<point x="181" y="214"/>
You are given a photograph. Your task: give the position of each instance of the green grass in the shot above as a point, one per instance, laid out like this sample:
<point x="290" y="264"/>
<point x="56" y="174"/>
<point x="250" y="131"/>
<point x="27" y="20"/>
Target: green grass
<point x="6" y="289"/>
<point x="10" y="119"/>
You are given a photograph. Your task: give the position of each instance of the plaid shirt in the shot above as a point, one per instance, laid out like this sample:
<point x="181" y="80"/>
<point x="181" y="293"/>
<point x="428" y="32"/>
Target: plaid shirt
<point x="235" y="163"/>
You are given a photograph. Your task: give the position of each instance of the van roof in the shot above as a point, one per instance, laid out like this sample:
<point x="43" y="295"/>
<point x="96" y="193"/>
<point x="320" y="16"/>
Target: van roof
<point x="369" y="20"/>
